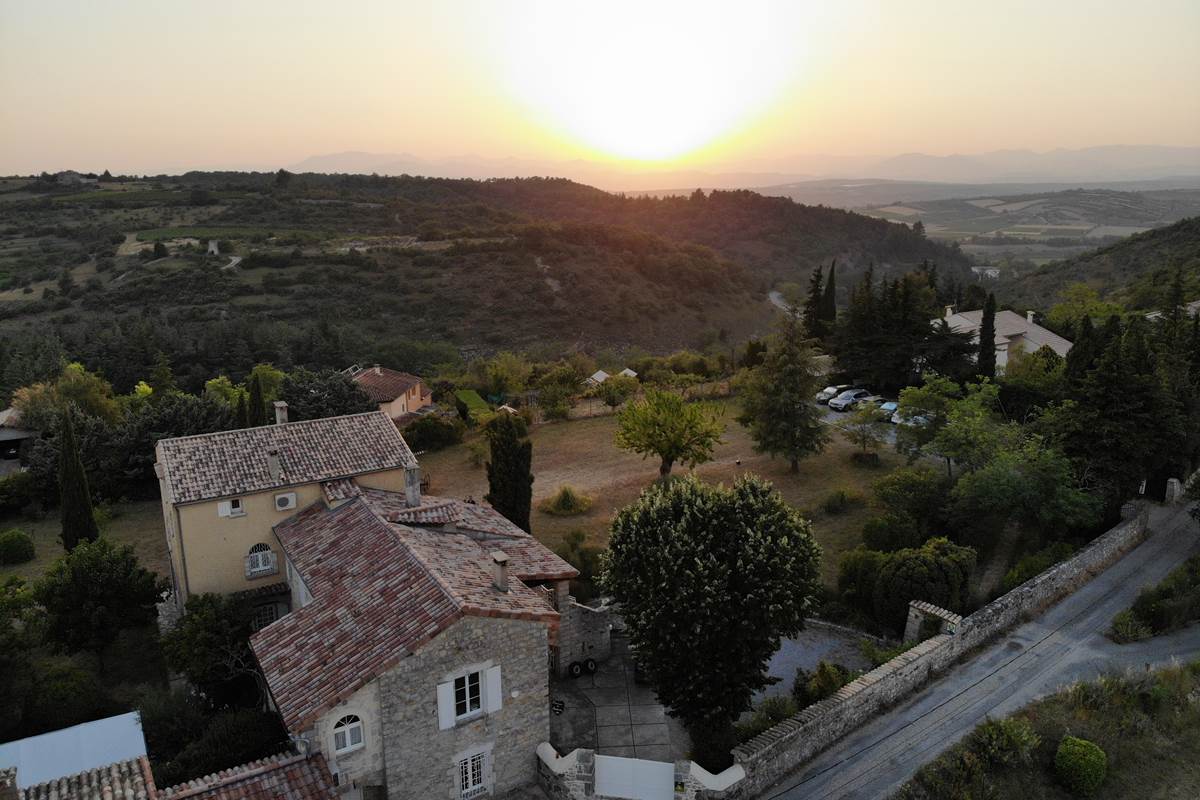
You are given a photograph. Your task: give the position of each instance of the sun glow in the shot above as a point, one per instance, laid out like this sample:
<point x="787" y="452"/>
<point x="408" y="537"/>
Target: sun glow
<point x="648" y="81"/>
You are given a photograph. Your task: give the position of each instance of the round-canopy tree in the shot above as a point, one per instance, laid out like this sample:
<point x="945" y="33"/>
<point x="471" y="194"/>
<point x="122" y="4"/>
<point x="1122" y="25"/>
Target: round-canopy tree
<point x="710" y="579"/>
<point x="665" y="425"/>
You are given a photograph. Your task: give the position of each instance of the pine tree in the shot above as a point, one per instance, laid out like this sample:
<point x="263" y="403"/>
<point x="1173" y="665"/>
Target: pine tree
<point x="829" y="300"/>
<point x="778" y="423"/>
<point x="986" y="364"/>
<point x="814" y="324"/>
<point x="257" y="407"/>
<point x="75" y="500"/>
<point x="510" y="481"/>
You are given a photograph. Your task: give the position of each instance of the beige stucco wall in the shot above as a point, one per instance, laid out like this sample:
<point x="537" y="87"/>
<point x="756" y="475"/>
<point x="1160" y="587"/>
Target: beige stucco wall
<point x="214" y="548"/>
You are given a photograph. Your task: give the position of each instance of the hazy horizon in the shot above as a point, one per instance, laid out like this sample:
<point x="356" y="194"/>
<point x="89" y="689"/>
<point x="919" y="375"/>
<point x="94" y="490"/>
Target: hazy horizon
<point x="138" y="87"/>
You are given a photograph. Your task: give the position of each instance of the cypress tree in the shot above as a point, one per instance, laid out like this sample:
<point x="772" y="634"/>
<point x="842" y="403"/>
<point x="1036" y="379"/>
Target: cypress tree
<point x="814" y="325"/>
<point x="75" y="500"/>
<point x="986" y="364"/>
<point x="242" y="415"/>
<point x="510" y="481"/>
<point x="829" y="300"/>
<point x="257" y="411"/>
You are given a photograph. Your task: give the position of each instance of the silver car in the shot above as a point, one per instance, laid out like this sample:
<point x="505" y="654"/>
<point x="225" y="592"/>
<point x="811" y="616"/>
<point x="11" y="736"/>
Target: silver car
<point x="830" y="392"/>
<point x="846" y="400"/>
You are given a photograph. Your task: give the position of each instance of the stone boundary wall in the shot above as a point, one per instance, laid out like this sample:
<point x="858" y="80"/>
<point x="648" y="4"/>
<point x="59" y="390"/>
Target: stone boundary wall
<point x="781" y="749"/>
<point x="820" y="624"/>
<point x="920" y="611"/>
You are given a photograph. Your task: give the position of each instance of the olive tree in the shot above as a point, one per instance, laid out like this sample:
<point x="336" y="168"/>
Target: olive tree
<point x="663" y="424"/>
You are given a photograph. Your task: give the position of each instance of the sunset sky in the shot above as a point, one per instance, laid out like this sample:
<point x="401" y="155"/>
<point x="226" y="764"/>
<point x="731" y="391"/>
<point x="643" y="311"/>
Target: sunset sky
<point x="149" y="86"/>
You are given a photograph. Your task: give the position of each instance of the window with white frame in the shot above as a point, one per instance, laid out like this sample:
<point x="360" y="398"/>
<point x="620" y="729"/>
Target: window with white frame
<point x="470" y="776"/>
<point x="260" y="560"/>
<point x="231" y="508"/>
<point x="347" y="734"/>
<point x="468" y="697"/>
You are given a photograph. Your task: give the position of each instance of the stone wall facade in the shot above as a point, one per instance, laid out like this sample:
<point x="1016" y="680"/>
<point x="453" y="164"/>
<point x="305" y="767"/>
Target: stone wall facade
<point x="920" y="612"/>
<point x="781" y="749"/>
<point x="583" y="633"/>
<point x="421" y="760"/>
<point x="362" y="768"/>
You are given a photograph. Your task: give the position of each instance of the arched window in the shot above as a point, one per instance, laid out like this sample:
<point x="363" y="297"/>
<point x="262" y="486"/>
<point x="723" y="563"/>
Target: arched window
<point x="260" y="560"/>
<point x="347" y="734"/>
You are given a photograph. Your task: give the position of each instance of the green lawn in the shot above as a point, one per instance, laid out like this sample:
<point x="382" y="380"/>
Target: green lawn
<point x="139" y="524"/>
<point x="582" y="453"/>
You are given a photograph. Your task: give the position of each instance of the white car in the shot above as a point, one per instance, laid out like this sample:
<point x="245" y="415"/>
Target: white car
<point x="830" y="392"/>
<point x="846" y="400"/>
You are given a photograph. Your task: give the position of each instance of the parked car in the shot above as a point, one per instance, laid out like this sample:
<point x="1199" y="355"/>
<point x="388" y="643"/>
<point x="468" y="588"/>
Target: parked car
<point x="917" y="421"/>
<point x="890" y="408"/>
<point x="830" y="392"/>
<point x="846" y="400"/>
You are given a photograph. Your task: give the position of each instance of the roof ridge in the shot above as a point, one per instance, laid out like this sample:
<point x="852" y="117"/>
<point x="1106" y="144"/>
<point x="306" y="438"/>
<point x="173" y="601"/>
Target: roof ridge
<point x="289" y="424"/>
<point x="250" y="769"/>
<point x="412" y="551"/>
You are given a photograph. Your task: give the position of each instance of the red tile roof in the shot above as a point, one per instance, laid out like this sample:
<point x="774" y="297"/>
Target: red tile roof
<point x="282" y="777"/>
<point x="380" y="591"/>
<point x="384" y="385"/>
<point x="130" y="779"/>
<point x="340" y="489"/>
<point x="229" y="463"/>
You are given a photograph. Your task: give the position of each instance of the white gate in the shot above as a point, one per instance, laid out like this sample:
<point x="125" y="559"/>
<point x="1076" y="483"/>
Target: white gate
<point x="634" y="778"/>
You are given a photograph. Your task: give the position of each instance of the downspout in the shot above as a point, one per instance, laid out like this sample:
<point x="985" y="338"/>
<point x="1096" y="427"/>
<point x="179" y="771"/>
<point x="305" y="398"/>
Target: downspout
<point x="187" y="589"/>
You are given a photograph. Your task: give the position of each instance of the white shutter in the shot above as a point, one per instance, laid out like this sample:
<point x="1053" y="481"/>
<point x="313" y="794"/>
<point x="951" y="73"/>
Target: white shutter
<point x="272" y="561"/>
<point x="224" y="509"/>
<point x="445" y="695"/>
<point x="494" y="695"/>
<point x="249" y="571"/>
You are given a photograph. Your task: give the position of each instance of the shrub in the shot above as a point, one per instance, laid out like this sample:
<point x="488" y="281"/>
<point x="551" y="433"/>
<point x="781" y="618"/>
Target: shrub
<point x="918" y="492"/>
<point x="891" y="531"/>
<point x="939" y="572"/>
<point x="18" y="490"/>
<point x="1081" y="765"/>
<point x="823" y="682"/>
<point x="769" y="713"/>
<point x="1127" y="628"/>
<point x="65" y="693"/>
<point x="586" y="560"/>
<point x="230" y="738"/>
<point x="1005" y="742"/>
<point x="839" y="501"/>
<point x="879" y="656"/>
<point x="857" y="574"/>
<point x="433" y="432"/>
<point x="16" y="547"/>
<point x="1036" y="563"/>
<point x="566" y="502"/>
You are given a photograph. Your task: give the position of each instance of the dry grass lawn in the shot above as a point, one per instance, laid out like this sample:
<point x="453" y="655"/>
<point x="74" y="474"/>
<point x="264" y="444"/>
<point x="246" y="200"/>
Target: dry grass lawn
<point x="139" y="524"/>
<point x="582" y="453"/>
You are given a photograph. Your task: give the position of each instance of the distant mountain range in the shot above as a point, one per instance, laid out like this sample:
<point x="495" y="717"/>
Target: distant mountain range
<point x="1094" y="167"/>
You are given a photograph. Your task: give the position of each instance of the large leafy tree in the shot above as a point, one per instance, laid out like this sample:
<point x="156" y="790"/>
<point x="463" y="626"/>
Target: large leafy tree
<point x="710" y="579"/>
<point x="938" y="572"/>
<point x="93" y="592"/>
<point x="314" y="395"/>
<point x="775" y="397"/>
<point x="924" y="410"/>
<point x="75" y="499"/>
<point x="663" y="424"/>
<point x="211" y="647"/>
<point x="510" y="480"/>
<point x="175" y="414"/>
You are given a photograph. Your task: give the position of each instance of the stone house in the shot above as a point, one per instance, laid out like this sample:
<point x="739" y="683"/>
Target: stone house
<point x="398" y="394"/>
<point x="417" y="656"/>
<point x="222" y="493"/>
<point x="1013" y="333"/>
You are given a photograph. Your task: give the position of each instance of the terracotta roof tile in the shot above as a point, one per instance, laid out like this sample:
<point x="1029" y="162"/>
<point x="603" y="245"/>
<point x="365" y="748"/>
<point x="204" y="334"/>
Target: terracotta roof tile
<point x="127" y="780"/>
<point x="282" y="777"/>
<point x="230" y="463"/>
<point x="384" y="385"/>
<point x="380" y="591"/>
<point x="340" y="489"/>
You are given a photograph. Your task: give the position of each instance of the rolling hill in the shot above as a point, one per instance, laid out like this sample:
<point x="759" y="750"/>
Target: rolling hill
<point x="1135" y="271"/>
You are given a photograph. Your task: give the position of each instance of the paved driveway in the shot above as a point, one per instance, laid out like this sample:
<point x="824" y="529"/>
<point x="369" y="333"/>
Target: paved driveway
<point x="615" y="716"/>
<point x="1063" y="645"/>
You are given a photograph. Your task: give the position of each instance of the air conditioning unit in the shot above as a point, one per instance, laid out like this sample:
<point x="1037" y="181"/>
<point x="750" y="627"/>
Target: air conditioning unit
<point x="285" y="502"/>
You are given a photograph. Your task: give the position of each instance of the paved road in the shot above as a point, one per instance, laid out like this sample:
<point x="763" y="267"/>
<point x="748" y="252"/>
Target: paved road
<point x="1063" y="645"/>
<point x="777" y="300"/>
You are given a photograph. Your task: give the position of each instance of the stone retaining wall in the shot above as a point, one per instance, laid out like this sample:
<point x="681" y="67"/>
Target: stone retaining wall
<point x="781" y="749"/>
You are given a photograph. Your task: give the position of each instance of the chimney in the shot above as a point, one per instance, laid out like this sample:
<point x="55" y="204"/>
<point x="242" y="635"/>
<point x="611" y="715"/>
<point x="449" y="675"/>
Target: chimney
<point x="378" y="370"/>
<point x="500" y="570"/>
<point x="1029" y="317"/>
<point x="280" y="412"/>
<point x="274" y="466"/>
<point x="949" y="310"/>
<point x="412" y="487"/>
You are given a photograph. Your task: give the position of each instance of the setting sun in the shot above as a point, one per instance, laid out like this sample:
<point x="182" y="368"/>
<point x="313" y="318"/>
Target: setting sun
<point x="647" y="82"/>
